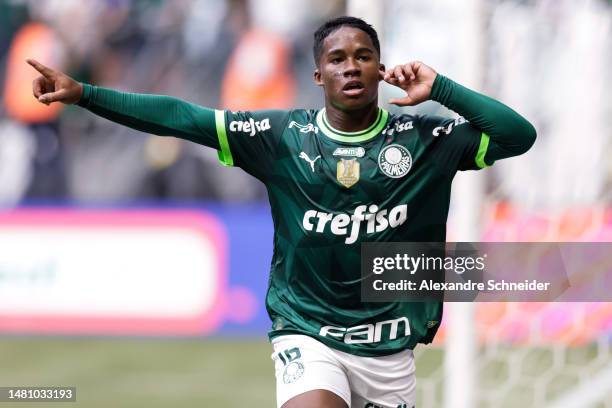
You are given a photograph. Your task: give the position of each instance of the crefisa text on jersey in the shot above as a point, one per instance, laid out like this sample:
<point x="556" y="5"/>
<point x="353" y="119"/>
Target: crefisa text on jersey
<point x="398" y="127"/>
<point x="377" y="220"/>
<point x="250" y="127"/>
<point x="447" y="129"/>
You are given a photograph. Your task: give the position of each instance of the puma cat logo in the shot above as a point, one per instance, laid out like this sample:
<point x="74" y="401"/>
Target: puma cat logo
<point x="311" y="162"/>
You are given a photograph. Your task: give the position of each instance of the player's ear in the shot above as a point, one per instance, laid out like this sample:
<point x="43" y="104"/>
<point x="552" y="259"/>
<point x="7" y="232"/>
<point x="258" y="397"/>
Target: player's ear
<point x="317" y="77"/>
<point x="381" y="72"/>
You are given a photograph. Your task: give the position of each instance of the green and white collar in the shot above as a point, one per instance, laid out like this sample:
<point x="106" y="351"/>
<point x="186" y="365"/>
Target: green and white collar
<point x="352" y="137"/>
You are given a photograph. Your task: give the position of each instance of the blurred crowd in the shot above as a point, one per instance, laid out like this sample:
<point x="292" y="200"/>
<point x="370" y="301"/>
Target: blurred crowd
<point x="548" y="59"/>
<point x="234" y="54"/>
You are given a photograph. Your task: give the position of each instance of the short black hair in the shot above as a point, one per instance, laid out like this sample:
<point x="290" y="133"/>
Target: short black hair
<point x="332" y="25"/>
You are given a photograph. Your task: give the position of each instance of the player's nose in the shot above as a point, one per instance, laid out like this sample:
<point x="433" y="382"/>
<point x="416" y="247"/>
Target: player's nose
<point x="351" y="68"/>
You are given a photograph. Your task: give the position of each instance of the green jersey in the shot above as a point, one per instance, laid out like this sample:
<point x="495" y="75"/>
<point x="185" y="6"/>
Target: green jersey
<point x="330" y="191"/>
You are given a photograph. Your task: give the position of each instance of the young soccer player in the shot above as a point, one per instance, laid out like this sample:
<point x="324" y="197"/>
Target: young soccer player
<point x="345" y="174"/>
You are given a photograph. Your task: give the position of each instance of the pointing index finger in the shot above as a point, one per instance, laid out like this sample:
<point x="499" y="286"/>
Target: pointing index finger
<point x="46" y="71"/>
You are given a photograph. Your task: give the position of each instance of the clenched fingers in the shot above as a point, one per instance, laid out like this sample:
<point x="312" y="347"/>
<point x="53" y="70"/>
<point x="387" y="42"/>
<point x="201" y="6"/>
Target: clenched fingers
<point x="53" y="96"/>
<point x="392" y="77"/>
<point x="40" y="86"/>
<point x="400" y="74"/>
<point x="37" y="87"/>
<point x="409" y="72"/>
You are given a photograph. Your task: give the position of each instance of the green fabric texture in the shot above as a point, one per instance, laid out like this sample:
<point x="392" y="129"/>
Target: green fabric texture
<point x="510" y="133"/>
<point x="155" y="114"/>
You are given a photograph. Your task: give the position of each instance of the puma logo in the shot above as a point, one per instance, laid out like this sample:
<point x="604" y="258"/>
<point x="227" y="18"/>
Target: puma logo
<point x="311" y="162"/>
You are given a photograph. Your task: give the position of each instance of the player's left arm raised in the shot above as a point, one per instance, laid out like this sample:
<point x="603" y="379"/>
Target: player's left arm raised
<point x="510" y="133"/>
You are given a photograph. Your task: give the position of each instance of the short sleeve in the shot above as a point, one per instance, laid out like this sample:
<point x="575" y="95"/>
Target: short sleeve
<point x="455" y="144"/>
<point x="249" y="140"/>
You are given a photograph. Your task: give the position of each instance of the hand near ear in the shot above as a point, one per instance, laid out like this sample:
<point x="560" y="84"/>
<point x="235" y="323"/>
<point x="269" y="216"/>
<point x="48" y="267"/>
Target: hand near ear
<point x="415" y="78"/>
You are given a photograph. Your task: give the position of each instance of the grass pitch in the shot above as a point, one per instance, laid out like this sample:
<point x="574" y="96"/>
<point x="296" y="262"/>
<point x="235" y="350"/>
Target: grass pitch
<point x="142" y="373"/>
<point x="218" y="372"/>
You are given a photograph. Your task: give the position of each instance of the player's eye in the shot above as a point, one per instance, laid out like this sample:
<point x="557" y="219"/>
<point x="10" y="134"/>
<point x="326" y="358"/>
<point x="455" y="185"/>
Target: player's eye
<point x="336" y="60"/>
<point x="364" y="58"/>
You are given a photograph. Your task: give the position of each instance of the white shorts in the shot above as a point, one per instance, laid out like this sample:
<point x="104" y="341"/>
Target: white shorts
<point x="302" y="364"/>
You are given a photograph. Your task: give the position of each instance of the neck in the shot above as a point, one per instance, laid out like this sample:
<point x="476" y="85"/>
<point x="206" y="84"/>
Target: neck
<point x="353" y="120"/>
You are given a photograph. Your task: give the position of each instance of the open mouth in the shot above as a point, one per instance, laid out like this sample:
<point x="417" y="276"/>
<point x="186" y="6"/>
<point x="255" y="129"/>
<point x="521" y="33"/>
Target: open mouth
<point x="353" y="88"/>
